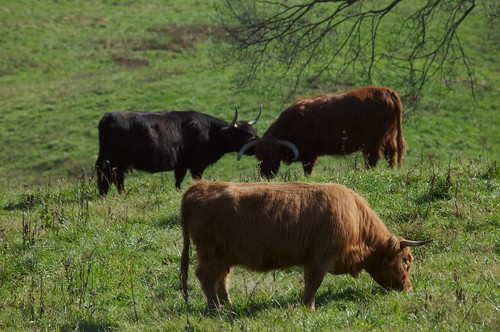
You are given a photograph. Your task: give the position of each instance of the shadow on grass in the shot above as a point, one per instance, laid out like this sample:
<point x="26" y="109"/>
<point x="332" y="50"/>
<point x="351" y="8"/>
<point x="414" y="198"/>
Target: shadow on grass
<point x="25" y="202"/>
<point x="31" y="200"/>
<point x="171" y="221"/>
<point x="349" y="295"/>
<point x="89" y="326"/>
<point x="252" y="308"/>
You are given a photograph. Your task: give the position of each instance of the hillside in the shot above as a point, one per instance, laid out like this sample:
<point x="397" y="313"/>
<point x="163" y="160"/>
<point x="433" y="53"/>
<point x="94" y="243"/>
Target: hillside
<point x="63" y="66"/>
<point x="72" y="260"/>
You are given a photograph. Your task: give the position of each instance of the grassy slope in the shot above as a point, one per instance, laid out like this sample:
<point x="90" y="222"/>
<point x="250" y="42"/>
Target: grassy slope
<point x="63" y="66"/>
<point x="70" y="259"/>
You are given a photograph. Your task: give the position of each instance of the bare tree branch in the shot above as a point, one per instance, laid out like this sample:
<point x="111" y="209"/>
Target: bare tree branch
<point x="332" y="40"/>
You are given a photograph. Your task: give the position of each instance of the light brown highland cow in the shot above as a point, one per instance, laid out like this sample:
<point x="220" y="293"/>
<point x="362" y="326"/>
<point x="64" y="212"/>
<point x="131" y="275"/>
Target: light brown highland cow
<point x="325" y="228"/>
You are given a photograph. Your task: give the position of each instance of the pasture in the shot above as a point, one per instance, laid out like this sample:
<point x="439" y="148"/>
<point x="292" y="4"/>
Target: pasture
<point x="71" y="260"/>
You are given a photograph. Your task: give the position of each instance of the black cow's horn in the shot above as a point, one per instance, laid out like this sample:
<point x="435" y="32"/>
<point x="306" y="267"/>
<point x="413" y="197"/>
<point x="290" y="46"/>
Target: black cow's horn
<point x="292" y="147"/>
<point x="408" y="243"/>
<point x="258" y="116"/>
<point x="246" y="147"/>
<point x="235" y="119"/>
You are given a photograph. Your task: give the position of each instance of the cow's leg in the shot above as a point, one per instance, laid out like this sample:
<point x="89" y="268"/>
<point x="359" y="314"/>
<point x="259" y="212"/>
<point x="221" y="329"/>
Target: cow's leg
<point x="103" y="177"/>
<point x="210" y="273"/>
<point x="308" y="165"/>
<point x="390" y="153"/>
<point x="372" y="155"/>
<point x="196" y="174"/>
<point x="119" y="179"/>
<point x="208" y="284"/>
<point x="313" y="277"/>
<point x="223" y="288"/>
<point x="102" y="182"/>
<point x="180" y="173"/>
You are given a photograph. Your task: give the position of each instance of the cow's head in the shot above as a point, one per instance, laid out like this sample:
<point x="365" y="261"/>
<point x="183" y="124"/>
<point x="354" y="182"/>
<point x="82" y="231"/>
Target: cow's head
<point x="392" y="262"/>
<point x="238" y="133"/>
<point x="270" y="153"/>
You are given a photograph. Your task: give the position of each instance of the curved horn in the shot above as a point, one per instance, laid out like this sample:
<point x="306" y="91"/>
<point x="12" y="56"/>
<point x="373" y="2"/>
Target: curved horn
<point x="292" y="147"/>
<point x="258" y="116"/>
<point x="246" y="147"/>
<point x="408" y="243"/>
<point x="235" y="119"/>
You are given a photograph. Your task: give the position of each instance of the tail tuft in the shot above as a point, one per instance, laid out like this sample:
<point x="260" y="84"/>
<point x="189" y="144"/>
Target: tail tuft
<point x="401" y="149"/>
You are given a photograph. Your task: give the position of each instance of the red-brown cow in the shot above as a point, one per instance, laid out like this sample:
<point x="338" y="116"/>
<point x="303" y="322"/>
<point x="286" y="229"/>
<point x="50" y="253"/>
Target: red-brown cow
<point x="366" y="119"/>
<point x="267" y="226"/>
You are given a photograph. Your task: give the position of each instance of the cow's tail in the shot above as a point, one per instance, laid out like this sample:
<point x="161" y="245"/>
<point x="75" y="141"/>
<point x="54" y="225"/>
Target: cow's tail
<point x="401" y="148"/>
<point x="184" y="257"/>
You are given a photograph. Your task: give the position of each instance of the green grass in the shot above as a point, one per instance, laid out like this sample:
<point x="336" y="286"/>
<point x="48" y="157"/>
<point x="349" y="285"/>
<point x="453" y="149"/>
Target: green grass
<point x="63" y="66"/>
<point x="72" y="260"/>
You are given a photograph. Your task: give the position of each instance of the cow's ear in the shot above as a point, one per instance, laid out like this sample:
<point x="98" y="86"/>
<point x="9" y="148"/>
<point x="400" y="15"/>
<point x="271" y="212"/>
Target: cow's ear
<point x="393" y="244"/>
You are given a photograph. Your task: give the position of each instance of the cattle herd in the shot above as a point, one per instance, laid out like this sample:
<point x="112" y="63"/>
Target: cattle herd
<point x="324" y="228"/>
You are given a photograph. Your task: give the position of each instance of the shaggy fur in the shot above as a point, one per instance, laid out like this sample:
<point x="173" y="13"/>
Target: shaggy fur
<point x="367" y="119"/>
<point x="326" y="228"/>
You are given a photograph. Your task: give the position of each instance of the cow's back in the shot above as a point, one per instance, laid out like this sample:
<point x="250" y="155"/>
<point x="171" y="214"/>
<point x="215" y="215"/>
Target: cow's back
<point x="146" y="141"/>
<point x="338" y="123"/>
<point x="265" y="226"/>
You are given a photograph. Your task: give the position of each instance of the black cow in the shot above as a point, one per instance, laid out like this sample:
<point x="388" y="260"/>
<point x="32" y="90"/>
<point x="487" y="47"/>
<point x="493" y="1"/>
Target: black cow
<point x="157" y="142"/>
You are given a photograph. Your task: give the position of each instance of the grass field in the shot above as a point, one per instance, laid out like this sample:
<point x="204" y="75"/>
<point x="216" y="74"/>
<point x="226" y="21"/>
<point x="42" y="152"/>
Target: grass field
<point x="71" y="260"/>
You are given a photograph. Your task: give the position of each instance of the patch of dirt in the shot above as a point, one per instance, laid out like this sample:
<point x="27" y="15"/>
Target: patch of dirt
<point x="83" y="20"/>
<point x="182" y="36"/>
<point x="129" y="62"/>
